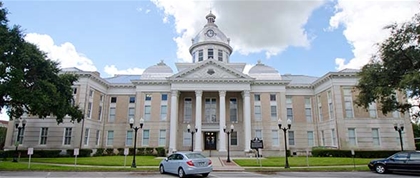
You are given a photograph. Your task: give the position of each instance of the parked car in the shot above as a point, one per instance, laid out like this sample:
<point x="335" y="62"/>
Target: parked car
<point x="401" y="161"/>
<point x="186" y="163"/>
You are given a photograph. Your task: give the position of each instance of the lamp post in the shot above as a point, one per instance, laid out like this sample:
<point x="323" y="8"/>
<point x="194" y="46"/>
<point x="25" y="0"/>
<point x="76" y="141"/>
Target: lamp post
<point x="228" y="132"/>
<point x="289" y="125"/>
<point x="136" y="128"/>
<point x="20" y="125"/>
<point x="192" y="135"/>
<point x="399" y="128"/>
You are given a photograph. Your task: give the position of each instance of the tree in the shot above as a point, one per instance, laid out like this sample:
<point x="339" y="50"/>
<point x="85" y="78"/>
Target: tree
<point x="395" y="69"/>
<point x="29" y="81"/>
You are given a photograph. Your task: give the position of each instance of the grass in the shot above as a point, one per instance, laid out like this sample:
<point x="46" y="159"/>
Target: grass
<point x="116" y="163"/>
<point x="301" y="161"/>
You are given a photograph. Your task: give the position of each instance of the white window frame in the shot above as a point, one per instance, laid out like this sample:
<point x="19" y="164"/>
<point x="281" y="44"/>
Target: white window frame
<point x="310" y="136"/>
<point x="376" y="136"/>
<point x="129" y="138"/>
<point x="110" y="140"/>
<point x="162" y="137"/>
<point x="67" y="136"/>
<point x="43" y="135"/>
<point x="233" y="110"/>
<point x="86" y="137"/>
<point x="145" y="141"/>
<point x="275" y="140"/>
<point x="354" y="138"/>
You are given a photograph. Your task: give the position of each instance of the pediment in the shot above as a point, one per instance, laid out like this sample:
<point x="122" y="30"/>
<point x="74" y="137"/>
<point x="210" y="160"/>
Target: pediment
<point x="210" y="69"/>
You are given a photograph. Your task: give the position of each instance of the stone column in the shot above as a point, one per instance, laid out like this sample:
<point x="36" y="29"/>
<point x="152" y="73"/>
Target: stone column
<point x="173" y="122"/>
<point x="247" y="119"/>
<point x="198" y="116"/>
<point x="222" y="123"/>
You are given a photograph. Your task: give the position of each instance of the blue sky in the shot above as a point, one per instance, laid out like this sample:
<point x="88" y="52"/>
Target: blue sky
<point x="304" y="37"/>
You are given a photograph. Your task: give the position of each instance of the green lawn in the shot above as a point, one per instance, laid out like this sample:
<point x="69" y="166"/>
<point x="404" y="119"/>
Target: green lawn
<point x="301" y="161"/>
<point x="99" y="161"/>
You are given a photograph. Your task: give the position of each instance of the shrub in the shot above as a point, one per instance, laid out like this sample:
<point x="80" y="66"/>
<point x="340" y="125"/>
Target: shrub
<point x="99" y="152"/>
<point x="161" y="151"/>
<point x="347" y="153"/>
<point x="110" y="152"/>
<point x="82" y="152"/>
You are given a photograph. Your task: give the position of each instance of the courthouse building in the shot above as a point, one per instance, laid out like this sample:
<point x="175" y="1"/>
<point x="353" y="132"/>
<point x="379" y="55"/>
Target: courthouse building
<point x="212" y="93"/>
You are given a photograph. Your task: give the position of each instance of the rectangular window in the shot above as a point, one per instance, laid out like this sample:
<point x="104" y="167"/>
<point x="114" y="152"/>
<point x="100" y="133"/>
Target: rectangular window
<point x="86" y="138"/>
<point x="67" y="136"/>
<point x="372" y="110"/>
<point x="310" y="135"/>
<point x="220" y="55"/>
<point x="291" y="137"/>
<point x="200" y="55"/>
<point x="308" y="110"/>
<point x="234" y="138"/>
<point x="257" y="113"/>
<point x="146" y="137"/>
<point x="187" y="110"/>
<point x="163" y="112"/>
<point x="129" y="138"/>
<point x="98" y="137"/>
<point x="258" y="134"/>
<point x="43" y="136"/>
<point x="194" y="57"/>
<point x="322" y="138"/>
<point x="290" y="114"/>
<point x="148" y="97"/>
<point x="164" y="97"/>
<point x="321" y="117"/>
<point x="101" y="98"/>
<point x="162" y="138"/>
<point x="275" y="138"/>
<point x="352" y="136"/>
<point x="187" y="139"/>
<point x="330" y="105"/>
<point x="111" y="114"/>
<point x="90" y="93"/>
<point x="131" y="113"/>
<point x="375" y="137"/>
<point x="272" y="97"/>
<point x="113" y="99"/>
<point x="132" y="99"/>
<point x="147" y="112"/>
<point x="210" y="54"/>
<point x="89" y="109"/>
<point x="333" y="140"/>
<point x="100" y="113"/>
<point x="348" y="102"/>
<point x="257" y="97"/>
<point x="233" y="110"/>
<point x="110" y="138"/>
<point x="210" y="110"/>
<point x="74" y="90"/>
<point x="289" y="100"/>
<point x="273" y="112"/>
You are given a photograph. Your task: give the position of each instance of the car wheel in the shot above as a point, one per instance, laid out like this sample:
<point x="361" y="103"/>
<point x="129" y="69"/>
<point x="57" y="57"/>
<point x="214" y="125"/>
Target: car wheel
<point x="205" y="174"/>
<point x="161" y="169"/>
<point x="181" y="173"/>
<point x="380" y="168"/>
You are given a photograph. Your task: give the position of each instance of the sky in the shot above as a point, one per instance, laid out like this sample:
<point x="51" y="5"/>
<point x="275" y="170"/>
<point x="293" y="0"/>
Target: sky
<point x="301" y="37"/>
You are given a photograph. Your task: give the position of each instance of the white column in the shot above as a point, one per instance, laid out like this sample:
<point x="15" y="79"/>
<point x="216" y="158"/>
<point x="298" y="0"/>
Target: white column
<point x="247" y="120"/>
<point x="222" y="135"/>
<point x="173" y="123"/>
<point x="198" y="107"/>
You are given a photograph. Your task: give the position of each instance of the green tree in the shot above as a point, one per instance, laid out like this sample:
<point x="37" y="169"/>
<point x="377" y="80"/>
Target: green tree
<point x="29" y="81"/>
<point x="396" y="67"/>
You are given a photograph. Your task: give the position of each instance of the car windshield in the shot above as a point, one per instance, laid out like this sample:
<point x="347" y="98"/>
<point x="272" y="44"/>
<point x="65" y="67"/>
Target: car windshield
<point x="194" y="155"/>
<point x="399" y="156"/>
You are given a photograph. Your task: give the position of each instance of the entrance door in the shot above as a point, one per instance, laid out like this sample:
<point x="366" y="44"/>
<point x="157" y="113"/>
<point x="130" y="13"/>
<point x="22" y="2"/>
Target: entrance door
<point x="210" y="140"/>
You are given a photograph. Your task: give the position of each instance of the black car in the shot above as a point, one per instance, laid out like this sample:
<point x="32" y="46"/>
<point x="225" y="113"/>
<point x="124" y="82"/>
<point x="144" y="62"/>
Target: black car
<point x="401" y="161"/>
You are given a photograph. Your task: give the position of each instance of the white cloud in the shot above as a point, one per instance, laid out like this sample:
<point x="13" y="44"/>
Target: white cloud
<point x="65" y="53"/>
<point x="111" y="70"/>
<point x="364" y="21"/>
<point x="253" y="26"/>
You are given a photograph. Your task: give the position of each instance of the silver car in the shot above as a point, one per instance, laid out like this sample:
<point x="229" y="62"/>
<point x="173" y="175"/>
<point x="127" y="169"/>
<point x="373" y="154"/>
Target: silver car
<point x="186" y="163"/>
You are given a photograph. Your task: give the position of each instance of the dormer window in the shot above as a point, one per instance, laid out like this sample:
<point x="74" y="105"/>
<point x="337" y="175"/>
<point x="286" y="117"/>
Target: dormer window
<point x="210" y="54"/>
<point x="220" y="55"/>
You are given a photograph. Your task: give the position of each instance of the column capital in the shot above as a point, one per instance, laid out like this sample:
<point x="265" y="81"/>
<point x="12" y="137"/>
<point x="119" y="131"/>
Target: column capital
<point x="198" y="93"/>
<point x="246" y="93"/>
<point x="222" y="93"/>
<point x="175" y="93"/>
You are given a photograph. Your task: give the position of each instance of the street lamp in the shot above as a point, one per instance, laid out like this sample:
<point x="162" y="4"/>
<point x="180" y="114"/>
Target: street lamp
<point x="192" y="135"/>
<point x="399" y="128"/>
<point x="228" y="132"/>
<point x="20" y="125"/>
<point x="133" y="165"/>
<point x="289" y="125"/>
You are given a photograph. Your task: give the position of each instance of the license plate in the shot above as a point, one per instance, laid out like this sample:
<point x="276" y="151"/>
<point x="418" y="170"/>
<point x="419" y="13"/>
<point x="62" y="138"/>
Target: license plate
<point x="201" y="163"/>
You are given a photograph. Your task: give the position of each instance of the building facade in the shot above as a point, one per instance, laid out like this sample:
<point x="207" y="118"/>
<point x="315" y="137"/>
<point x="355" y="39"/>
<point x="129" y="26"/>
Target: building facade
<point x="211" y="94"/>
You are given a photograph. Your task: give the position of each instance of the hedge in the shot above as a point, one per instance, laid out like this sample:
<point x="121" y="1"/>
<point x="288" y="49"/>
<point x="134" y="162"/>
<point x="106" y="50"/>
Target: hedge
<point x="347" y="153"/>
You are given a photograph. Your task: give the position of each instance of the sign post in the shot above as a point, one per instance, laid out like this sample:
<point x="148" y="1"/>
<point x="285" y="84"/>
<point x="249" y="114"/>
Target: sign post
<point x="257" y="144"/>
<point x="76" y="152"/>
<point x="353" y="155"/>
<point x="307" y="157"/>
<point x="125" y="155"/>
<point x="30" y="152"/>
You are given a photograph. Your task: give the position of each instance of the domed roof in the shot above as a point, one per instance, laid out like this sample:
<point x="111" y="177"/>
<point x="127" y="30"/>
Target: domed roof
<point x="158" y="71"/>
<point x="210" y="32"/>
<point x="263" y="72"/>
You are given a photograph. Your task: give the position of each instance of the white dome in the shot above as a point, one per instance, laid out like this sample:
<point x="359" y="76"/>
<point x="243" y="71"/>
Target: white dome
<point x="210" y="32"/>
<point x="158" y="71"/>
<point x="263" y="72"/>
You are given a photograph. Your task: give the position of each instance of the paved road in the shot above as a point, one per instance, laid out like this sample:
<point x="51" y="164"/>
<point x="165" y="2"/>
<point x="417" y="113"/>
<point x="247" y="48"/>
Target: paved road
<point x="28" y="174"/>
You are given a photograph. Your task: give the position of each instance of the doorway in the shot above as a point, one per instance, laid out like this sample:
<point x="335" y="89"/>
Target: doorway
<point x="210" y="140"/>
